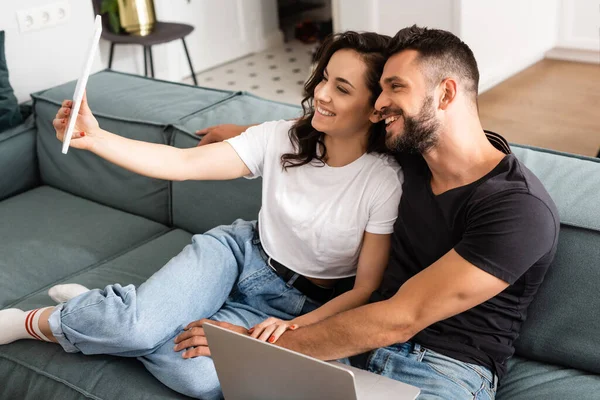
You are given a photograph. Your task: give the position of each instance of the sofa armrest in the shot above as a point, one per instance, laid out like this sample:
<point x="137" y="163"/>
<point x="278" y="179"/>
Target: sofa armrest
<point x="18" y="159"/>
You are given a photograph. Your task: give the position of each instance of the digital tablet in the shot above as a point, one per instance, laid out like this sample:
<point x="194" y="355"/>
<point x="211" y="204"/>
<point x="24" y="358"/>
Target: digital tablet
<point x="81" y="82"/>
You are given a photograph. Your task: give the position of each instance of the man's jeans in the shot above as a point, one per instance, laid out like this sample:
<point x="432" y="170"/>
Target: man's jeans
<point x="221" y="275"/>
<point x="438" y="376"/>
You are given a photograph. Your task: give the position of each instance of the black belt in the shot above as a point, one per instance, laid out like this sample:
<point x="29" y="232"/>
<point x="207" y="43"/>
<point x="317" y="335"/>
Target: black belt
<point x="303" y="284"/>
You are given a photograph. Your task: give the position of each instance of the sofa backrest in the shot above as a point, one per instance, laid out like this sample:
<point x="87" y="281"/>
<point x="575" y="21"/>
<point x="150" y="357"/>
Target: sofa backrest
<point x="199" y="206"/>
<point x="129" y="105"/>
<point x="563" y="323"/>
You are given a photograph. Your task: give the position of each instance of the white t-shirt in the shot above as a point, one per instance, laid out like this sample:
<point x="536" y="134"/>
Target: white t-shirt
<point x="313" y="217"/>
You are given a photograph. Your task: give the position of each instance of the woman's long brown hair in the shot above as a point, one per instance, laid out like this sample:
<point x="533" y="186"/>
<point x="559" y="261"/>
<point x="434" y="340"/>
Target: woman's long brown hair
<point x="307" y="141"/>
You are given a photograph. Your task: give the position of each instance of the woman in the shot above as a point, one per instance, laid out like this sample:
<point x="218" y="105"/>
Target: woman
<point x="330" y="199"/>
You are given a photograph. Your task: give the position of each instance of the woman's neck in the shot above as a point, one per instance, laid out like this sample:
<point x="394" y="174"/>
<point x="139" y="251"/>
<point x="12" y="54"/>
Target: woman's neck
<point x="343" y="151"/>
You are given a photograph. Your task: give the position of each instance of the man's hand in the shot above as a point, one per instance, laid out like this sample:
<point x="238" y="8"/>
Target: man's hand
<point x="271" y="329"/>
<point x="218" y="133"/>
<point x="194" y="337"/>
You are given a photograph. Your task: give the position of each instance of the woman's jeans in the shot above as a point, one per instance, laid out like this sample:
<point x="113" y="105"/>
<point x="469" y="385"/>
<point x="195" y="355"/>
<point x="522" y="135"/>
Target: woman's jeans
<point x="221" y="275"/>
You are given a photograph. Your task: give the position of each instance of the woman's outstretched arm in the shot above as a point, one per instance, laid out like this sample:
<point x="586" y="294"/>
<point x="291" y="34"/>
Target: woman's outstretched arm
<point x="213" y="162"/>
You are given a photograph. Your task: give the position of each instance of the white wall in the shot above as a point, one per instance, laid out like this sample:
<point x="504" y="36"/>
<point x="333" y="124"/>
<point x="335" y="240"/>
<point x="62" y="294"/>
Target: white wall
<point x="41" y="59"/>
<point x="578" y="31"/>
<point x="579" y="24"/>
<point x="389" y="16"/>
<point x="224" y="30"/>
<point x="506" y="36"/>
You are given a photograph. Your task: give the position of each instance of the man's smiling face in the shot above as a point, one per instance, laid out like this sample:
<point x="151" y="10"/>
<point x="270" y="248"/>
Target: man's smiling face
<point x="406" y="103"/>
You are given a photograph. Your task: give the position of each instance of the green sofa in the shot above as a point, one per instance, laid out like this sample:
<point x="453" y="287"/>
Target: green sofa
<point x="77" y="218"/>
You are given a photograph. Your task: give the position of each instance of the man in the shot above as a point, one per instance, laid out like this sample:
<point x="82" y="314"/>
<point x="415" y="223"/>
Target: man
<point x="475" y="235"/>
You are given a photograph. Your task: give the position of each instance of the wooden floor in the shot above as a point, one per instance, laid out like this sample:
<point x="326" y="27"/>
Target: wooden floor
<point x="552" y="104"/>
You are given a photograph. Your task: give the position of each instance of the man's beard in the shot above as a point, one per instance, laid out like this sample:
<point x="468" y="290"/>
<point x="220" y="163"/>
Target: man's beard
<point x="420" y="132"/>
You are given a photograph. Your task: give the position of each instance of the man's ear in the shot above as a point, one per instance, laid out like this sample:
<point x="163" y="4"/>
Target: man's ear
<point x="447" y="93"/>
<point x="375" y="116"/>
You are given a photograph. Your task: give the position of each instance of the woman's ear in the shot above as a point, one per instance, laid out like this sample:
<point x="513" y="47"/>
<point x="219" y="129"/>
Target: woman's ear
<point x="375" y="116"/>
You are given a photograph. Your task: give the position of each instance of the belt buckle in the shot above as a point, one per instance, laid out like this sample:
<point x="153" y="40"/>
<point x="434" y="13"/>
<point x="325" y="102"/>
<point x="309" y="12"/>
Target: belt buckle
<point x="271" y="265"/>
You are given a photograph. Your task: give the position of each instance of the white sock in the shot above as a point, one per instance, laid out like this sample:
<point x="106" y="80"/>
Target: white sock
<point x="17" y="324"/>
<point x="62" y="293"/>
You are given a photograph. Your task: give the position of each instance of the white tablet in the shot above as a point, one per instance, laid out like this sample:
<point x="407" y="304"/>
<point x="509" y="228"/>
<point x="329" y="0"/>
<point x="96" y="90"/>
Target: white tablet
<point x="81" y="82"/>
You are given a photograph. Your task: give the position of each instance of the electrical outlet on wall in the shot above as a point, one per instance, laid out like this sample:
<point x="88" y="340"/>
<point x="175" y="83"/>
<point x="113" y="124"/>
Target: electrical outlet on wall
<point x="33" y="19"/>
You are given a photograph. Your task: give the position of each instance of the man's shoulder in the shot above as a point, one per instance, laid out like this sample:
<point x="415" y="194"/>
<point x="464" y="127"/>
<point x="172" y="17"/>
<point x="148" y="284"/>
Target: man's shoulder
<point x="514" y="181"/>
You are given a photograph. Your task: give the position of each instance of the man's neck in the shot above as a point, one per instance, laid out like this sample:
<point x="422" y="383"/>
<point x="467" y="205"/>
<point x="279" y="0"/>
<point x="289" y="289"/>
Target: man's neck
<point x="461" y="157"/>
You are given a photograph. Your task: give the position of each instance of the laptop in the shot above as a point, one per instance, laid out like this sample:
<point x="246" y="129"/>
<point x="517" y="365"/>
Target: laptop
<point x="251" y="369"/>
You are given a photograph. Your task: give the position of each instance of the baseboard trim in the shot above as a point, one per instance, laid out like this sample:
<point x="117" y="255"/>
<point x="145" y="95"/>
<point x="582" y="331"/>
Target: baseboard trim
<point x="506" y="71"/>
<point x="579" y="55"/>
<point x="273" y="39"/>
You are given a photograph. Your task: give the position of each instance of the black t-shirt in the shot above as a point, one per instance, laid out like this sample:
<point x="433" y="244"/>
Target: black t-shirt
<point x="504" y="223"/>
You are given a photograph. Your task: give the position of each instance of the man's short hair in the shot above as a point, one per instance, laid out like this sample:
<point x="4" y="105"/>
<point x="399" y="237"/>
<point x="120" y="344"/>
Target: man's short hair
<point x="442" y="55"/>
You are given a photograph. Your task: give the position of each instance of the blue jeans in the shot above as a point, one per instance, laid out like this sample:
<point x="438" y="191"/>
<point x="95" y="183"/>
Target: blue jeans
<point x="438" y="376"/>
<point x="221" y="275"/>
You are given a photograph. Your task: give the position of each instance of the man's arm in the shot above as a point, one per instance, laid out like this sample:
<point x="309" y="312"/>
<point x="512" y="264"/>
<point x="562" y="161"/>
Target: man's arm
<point x="219" y="133"/>
<point x="448" y="287"/>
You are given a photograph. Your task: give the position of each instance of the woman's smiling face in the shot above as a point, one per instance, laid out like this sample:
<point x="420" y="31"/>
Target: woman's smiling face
<point x="341" y="99"/>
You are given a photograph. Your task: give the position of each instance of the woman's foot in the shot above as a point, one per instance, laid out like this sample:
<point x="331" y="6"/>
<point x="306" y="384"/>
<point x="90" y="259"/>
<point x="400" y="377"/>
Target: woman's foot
<point x="17" y="324"/>
<point x="62" y="293"/>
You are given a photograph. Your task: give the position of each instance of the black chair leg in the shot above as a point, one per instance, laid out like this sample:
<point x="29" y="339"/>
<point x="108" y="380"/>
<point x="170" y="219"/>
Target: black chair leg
<point x="145" y="62"/>
<point x="151" y="61"/>
<point x="110" y="55"/>
<point x="187" y="54"/>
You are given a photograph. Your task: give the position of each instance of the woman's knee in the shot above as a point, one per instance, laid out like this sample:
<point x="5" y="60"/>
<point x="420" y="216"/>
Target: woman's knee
<point x="112" y="318"/>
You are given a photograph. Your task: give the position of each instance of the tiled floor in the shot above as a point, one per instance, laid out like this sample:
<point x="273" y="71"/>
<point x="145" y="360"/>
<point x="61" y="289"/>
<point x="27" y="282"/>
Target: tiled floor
<point x="277" y="73"/>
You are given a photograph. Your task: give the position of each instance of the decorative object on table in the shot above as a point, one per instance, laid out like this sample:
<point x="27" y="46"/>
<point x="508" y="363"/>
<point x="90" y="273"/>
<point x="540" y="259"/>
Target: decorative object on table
<point x="137" y="17"/>
<point x="162" y="32"/>
<point x="10" y="115"/>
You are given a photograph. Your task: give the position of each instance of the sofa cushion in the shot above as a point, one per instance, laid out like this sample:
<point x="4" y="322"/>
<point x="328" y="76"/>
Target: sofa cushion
<point x="49" y="235"/>
<point x="132" y="266"/>
<point x="10" y="115"/>
<point x="142" y="116"/>
<point x="199" y="206"/>
<point x="18" y="160"/>
<point x="562" y="324"/>
<point x="531" y="380"/>
<point x="105" y="377"/>
<point x="33" y="371"/>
